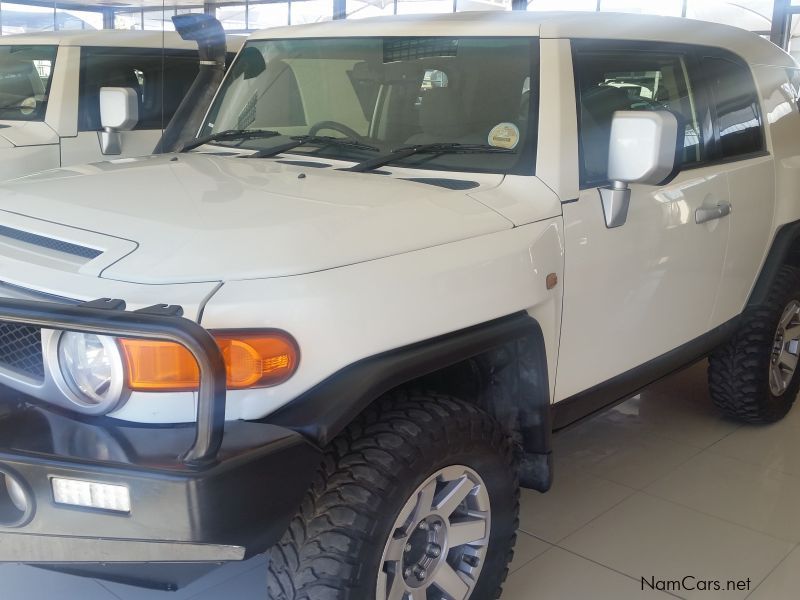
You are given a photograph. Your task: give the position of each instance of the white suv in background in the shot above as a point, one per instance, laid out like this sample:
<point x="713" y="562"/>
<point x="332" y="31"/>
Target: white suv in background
<point x="50" y="94"/>
<point x="399" y="254"/>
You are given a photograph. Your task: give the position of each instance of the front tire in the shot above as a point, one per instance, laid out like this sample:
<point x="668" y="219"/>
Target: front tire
<point x="417" y="500"/>
<point x="754" y="377"/>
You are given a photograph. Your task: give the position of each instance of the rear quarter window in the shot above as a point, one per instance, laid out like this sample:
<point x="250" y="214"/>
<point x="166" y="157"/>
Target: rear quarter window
<point x="734" y="94"/>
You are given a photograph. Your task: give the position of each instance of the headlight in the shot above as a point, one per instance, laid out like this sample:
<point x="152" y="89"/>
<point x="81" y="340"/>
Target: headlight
<point x="91" y="366"/>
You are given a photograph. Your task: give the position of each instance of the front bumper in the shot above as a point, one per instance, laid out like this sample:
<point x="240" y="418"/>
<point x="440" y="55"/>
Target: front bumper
<point x="236" y="508"/>
<point x="207" y="492"/>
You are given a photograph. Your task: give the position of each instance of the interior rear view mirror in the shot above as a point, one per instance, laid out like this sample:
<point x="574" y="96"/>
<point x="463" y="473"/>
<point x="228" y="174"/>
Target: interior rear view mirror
<point x="119" y="111"/>
<point x="251" y="62"/>
<point x="642" y="149"/>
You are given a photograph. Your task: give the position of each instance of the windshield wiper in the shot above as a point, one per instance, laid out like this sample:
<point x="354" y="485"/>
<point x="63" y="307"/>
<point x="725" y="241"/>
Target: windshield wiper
<point x="441" y="148"/>
<point x="321" y="140"/>
<point x="230" y="134"/>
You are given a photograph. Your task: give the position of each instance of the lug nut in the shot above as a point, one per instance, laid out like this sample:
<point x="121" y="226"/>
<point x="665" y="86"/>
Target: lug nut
<point x="423" y="525"/>
<point x="407" y="572"/>
<point x="421" y="574"/>
<point x="408" y="548"/>
<point x="434" y="550"/>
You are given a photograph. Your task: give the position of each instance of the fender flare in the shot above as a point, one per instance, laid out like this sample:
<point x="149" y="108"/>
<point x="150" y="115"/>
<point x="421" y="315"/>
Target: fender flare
<point x="325" y="410"/>
<point x="780" y="252"/>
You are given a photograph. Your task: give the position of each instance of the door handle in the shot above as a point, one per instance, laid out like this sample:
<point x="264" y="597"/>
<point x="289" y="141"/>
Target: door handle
<point x="706" y="214"/>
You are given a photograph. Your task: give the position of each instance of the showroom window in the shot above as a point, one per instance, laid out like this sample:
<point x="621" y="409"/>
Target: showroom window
<point x="141" y="71"/>
<point x="625" y="79"/>
<point x="738" y="116"/>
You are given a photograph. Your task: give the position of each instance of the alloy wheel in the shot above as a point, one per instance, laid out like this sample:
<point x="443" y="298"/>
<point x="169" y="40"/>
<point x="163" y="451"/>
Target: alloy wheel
<point x="438" y="542"/>
<point x="785" y="350"/>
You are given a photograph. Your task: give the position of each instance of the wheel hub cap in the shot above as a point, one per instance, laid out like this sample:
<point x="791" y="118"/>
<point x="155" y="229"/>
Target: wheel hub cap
<point x="785" y="350"/>
<point x="438" y="542"/>
<point x="424" y="551"/>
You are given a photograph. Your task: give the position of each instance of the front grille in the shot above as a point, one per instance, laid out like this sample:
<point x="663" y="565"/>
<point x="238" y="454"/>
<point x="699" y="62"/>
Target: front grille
<point x="21" y="349"/>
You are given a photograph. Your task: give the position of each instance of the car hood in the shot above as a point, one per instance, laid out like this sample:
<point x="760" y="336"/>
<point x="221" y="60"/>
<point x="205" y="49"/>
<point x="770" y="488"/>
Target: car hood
<point x="26" y="133"/>
<point x="197" y="217"/>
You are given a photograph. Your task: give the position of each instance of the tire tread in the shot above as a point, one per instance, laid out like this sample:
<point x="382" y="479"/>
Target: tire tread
<point x="737" y="371"/>
<point x="317" y="558"/>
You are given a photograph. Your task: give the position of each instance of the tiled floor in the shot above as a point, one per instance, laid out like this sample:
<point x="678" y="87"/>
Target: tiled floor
<point x="660" y="487"/>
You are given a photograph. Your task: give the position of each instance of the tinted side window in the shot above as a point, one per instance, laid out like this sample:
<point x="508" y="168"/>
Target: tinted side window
<point x="144" y="70"/>
<point x="631" y="79"/>
<point x="736" y="99"/>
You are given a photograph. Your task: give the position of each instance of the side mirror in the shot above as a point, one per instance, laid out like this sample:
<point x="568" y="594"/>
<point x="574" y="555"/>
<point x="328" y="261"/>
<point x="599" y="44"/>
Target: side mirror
<point x="119" y="111"/>
<point x="642" y="149"/>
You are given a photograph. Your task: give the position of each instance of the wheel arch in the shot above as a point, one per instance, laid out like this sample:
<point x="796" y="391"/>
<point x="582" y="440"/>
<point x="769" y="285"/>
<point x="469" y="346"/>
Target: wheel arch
<point x="785" y="250"/>
<point x="501" y="365"/>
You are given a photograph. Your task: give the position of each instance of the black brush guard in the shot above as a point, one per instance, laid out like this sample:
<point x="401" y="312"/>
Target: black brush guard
<point x="209" y="491"/>
<point x="160" y="322"/>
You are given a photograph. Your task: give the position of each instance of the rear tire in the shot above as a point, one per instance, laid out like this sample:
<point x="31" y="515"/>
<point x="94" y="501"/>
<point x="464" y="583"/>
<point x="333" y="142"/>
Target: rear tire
<point x="751" y="377"/>
<point x="336" y="547"/>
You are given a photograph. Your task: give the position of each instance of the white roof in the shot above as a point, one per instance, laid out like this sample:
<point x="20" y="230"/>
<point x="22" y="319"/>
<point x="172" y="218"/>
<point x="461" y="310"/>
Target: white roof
<point x="589" y="25"/>
<point x="112" y="38"/>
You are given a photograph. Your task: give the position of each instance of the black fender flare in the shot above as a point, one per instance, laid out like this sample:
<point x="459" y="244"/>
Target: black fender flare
<point x="784" y="244"/>
<point x="325" y="410"/>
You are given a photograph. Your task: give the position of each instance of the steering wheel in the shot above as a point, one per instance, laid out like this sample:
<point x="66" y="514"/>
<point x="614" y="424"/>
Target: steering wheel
<point x="335" y="126"/>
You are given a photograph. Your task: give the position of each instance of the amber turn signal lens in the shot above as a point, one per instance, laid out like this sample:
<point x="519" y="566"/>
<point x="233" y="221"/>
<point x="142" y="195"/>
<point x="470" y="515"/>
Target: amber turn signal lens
<point x="251" y="360"/>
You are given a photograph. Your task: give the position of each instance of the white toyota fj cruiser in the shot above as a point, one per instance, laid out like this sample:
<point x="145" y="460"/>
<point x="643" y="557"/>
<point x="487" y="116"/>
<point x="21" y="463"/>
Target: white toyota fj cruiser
<point x="51" y="85"/>
<point x="410" y="248"/>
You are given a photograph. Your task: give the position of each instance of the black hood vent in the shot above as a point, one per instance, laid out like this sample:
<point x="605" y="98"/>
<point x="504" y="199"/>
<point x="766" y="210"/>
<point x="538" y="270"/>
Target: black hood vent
<point x="49" y="243"/>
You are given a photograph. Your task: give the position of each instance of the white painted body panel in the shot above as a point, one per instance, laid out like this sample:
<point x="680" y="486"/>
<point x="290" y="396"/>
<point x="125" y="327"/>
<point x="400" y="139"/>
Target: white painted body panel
<point x="752" y="192"/>
<point x="56" y="142"/>
<point x="267" y="223"/>
<point x="342" y="315"/>
<point x="35" y="158"/>
<point x="556" y="156"/>
<point x="638" y="291"/>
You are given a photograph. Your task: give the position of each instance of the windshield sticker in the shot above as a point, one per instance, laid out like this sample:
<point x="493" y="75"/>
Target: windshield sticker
<point x="504" y="135"/>
<point x="28" y="106"/>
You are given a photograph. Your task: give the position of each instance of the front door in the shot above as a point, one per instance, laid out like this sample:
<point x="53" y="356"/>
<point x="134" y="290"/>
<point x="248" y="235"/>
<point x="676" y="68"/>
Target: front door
<point x="635" y="292"/>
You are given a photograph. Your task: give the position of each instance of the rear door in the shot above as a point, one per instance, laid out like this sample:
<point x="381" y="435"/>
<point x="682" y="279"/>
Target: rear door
<point x="160" y="79"/>
<point x="742" y="153"/>
<point x="636" y="292"/>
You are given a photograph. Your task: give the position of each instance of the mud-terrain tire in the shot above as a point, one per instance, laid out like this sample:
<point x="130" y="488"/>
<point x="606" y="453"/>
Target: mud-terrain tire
<point x="337" y="546"/>
<point x="742" y="373"/>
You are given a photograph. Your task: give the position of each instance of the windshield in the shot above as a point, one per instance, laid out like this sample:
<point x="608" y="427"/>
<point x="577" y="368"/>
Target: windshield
<point x="386" y="93"/>
<point x="25" y="73"/>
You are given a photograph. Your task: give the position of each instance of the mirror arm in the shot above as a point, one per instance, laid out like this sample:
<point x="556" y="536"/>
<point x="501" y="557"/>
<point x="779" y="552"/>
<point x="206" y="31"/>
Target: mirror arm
<point x="615" y="198"/>
<point x="110" y="142"/>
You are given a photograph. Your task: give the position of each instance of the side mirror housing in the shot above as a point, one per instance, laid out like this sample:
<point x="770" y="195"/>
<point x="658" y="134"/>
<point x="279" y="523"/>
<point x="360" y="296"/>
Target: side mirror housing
<point x="642" y="149"/>
<point x="119" y="111"/>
